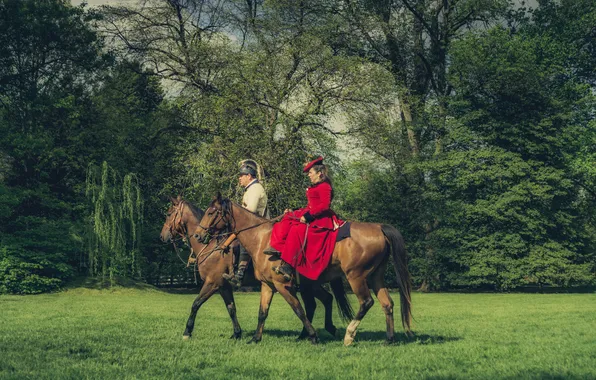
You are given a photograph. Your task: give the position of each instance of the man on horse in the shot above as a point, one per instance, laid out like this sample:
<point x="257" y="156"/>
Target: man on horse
<point x="254" y="200"/>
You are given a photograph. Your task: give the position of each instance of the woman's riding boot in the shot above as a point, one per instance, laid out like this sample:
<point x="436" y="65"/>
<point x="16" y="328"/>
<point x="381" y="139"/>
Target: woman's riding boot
<point x="284" y="269"/>
<point x="271" y="251"/>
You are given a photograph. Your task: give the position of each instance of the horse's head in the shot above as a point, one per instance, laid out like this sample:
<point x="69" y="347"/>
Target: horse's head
<point x="176" y="219"/>
<point x="216" y="219"/>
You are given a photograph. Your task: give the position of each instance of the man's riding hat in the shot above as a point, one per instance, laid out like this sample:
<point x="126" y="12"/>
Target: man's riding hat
<point x="248" y="167"/>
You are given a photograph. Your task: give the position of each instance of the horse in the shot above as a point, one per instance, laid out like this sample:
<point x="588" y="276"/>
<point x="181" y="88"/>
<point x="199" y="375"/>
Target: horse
<point x="362" y="258"/>
<point x="211" y="264"/>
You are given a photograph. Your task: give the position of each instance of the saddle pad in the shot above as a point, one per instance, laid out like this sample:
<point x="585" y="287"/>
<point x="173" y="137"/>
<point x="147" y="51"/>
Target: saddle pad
<point x="344" y="232"/>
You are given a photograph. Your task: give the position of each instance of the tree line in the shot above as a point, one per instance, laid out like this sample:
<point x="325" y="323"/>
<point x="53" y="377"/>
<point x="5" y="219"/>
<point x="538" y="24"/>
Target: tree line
<point x="467" y="124"/>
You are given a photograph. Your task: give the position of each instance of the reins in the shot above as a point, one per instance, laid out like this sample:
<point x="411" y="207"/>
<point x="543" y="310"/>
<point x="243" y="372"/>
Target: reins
<point x="222" y="213"/>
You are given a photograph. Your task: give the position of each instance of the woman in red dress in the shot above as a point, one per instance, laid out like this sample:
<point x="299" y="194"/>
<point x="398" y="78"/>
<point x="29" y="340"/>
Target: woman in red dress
<point x="305" y="238"/>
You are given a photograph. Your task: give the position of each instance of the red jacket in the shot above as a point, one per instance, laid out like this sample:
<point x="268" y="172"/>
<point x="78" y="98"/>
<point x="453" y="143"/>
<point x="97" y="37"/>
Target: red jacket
<point x="312" y="256"/>
<point x="318" y="209"/>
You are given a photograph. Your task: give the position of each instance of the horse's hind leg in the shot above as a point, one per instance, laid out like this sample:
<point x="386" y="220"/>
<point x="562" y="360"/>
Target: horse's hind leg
<point x="327" y="299"/>
<point x="228" y="297"/>
<point x="361" y="290"/>
<point x="266" y="296"/>
<point x="385" y="300"/>
<point x="206" y="292"/>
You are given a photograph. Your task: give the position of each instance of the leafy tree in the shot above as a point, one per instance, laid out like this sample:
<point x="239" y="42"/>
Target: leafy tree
<point x="506" y="176"/>
<point x="115" y="225"/>
<point x="269" y="98"/>
<point x="47" y="50"/>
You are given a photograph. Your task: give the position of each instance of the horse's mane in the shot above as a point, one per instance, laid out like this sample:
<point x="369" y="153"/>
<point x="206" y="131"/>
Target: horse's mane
<point x="197" y="212"/>
<point x="226" y="205"/>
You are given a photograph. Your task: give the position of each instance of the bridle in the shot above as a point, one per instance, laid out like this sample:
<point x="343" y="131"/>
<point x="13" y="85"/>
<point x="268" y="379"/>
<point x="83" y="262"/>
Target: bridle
<point x="222" y="213"/>
<point x="177" y="228"/>
<point x="210" y="230"/>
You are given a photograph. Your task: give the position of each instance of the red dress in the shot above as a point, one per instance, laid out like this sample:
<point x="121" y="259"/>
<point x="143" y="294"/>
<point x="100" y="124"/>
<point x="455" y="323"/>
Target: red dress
<point x="308" y="247"/>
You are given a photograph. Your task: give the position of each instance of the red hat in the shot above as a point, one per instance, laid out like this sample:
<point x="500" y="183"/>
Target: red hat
<point x="316" y="161"/>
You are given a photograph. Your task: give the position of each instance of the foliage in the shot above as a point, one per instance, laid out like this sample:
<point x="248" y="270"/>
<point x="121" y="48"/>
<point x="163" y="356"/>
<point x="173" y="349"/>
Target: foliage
<point x="471" y="129"/>
<point x="499" y="194"/>
<point x="505" y="176"/>
<point x="115" y="225"/>
<point x="48" y="48"/>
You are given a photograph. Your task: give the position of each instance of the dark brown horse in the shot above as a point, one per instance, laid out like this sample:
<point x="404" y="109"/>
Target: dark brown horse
<point x="182" y="217"/>
<point x="362" y="258"/>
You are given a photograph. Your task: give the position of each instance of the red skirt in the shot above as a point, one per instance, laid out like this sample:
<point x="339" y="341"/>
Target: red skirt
<point x="306" y="248"/>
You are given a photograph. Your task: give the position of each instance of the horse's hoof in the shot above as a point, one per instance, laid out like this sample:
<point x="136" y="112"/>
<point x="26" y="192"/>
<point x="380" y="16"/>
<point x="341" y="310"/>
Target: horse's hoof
<point x="314" y="339"/>
<point x="185" y="337"/>
<point x="351" y="332"/>
<point x="303" y="335"/>
<point x="253" y="340"/>
<point x="389" y="342"/>
<point x="236" y="335"/>
<point x="331" y="330"/>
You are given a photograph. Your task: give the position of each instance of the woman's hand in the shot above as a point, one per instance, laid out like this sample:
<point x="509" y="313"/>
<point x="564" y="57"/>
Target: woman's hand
<point x="287" y="210"/>
<point x="302" y="219"/>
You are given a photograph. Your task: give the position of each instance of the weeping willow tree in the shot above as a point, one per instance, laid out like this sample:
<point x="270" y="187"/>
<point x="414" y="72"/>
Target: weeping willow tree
<point x="114" y="228"/>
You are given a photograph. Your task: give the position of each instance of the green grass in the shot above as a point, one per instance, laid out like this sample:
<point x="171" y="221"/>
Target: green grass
<point x="138" y="334"/>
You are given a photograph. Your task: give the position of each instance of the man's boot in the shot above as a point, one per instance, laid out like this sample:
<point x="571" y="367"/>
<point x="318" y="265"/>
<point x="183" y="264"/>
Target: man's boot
<point x="235" y="280"/>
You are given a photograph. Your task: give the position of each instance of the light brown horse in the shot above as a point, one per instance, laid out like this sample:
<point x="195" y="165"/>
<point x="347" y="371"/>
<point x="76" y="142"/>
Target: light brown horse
<point x="182" y="217"/>
<point x="362" y="258"/>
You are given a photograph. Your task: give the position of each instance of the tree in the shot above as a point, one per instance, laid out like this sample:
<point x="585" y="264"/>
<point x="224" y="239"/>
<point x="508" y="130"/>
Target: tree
<point x="506" y="176"/>
<point x="47" y="49"/>
<point x="114" y="234"/>
<point x="269" y="97"/>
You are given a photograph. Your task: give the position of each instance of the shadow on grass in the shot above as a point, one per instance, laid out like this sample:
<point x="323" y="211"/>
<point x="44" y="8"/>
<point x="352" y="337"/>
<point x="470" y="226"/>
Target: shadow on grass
<point x="324" y="335"/>
<point x="400" y="337"/>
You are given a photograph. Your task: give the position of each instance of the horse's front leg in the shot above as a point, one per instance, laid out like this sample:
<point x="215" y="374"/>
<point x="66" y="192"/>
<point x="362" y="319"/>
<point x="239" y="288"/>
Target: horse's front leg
<point x="206" y="292"/>
<point x="289" y="294"/>
<point x="327" y="299"/>
<point x="266" y="296"/>
<point x="361" y="290"/>
<point x="228" y="296"/>
<point x="310" y="305"/>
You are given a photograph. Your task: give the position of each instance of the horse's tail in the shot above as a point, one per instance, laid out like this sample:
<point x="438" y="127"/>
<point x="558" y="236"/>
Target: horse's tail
<point x="343" y="304"/>
<point x="397" y="247"/>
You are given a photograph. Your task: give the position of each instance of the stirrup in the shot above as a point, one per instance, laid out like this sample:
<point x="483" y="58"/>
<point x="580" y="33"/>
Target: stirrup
<point x="284" y="269"/>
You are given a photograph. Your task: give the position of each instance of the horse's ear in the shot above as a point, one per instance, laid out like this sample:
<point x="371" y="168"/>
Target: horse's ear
<point x="174" y="201"/>
<point x="218" y="197"/>
<point x="179" y="198"/>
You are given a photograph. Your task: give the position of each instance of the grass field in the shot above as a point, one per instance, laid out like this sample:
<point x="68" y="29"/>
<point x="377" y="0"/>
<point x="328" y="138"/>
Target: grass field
<point x="138" y="334"/>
